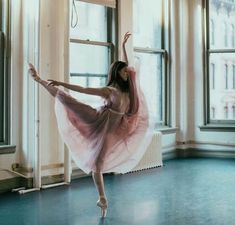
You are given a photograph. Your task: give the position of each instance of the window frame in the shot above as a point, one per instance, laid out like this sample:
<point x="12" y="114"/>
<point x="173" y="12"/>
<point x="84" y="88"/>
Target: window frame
<point x="209" y="124"/>
<point x="164" y="52"/>
<point x="5" y="78"/>
<point x="110" y="44"/>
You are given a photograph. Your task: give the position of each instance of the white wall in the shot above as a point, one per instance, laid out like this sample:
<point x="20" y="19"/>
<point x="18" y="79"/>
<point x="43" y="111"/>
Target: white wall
<point x="53" y="23"/>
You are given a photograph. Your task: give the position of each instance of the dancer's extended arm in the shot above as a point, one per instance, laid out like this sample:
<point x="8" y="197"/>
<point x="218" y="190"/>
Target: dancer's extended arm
<point x="102" y="92"/>
<point x="126" y="37"/>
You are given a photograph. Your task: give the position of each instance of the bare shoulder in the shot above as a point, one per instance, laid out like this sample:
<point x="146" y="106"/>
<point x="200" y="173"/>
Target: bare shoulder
<point x="111" y="88"/>
<point x="107" y="91"/>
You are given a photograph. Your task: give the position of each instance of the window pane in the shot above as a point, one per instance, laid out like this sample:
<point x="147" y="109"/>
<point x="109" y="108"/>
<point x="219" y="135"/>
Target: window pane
<point x="222" y="95"/>
<point x="232" y="36"/>
<point x="212" y="75"/>
<point x="222" y="21"/>
<point x="90" y="59"/>
<point x="92" y="22"/>
<point x="212" y="32"/>
<point x="151" y="81"/>
<point x="88" y="67"/>
<point x="147" y="23"/>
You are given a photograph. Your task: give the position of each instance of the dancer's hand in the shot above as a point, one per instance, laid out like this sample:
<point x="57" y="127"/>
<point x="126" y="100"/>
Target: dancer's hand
<point x="53" y="83"/>
<point x="126" y="37"/>
<point x="33" y="72"/>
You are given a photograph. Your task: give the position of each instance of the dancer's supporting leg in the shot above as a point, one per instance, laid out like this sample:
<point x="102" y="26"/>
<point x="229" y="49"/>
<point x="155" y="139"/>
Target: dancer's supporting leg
<point x="99" y="182"/>
<point x="98" y="177"/>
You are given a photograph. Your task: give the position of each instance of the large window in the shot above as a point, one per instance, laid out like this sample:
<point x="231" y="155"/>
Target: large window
<point x="220" y="52"/>
<point x="4" y="73"/>
<point x="150" y="54"/>
<point x="91" y="46"/>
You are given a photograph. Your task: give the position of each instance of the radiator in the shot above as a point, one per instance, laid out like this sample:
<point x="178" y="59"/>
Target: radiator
<point x="153" y="155"/>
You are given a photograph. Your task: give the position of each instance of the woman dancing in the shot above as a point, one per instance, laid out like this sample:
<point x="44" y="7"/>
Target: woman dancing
<point x="112" y="138"/>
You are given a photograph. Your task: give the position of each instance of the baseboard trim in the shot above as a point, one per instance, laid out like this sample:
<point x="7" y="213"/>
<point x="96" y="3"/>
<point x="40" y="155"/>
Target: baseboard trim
<point x="172" y="154"/>
<point x="196" y="152"/>
<point x="185" y="152"/>
<point x="78" y="173"/>
<point x="16" y="182"/>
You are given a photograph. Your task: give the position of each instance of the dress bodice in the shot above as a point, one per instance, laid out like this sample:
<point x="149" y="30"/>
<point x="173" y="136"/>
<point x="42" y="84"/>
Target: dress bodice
<point x="118" y="100"/>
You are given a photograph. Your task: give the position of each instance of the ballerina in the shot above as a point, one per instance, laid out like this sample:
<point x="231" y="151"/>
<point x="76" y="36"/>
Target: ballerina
<point x="111" y="138"/>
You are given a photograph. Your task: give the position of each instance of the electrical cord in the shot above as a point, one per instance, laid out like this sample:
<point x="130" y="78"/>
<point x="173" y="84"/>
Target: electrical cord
<point x="74" y="10"/>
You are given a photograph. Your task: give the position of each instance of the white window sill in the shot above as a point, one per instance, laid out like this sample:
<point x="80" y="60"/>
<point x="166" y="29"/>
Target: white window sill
<point x="167" y="130"/>
<point x="218" y="127"/>
<point x="7" y="149"/>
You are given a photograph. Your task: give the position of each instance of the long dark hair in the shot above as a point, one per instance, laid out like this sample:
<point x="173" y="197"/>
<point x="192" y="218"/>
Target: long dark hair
<point x="115" y="78"/>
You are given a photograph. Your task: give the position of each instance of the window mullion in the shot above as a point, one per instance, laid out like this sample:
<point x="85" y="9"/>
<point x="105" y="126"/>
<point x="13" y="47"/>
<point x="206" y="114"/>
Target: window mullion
<point x="149" y="50"/>
<point x="88" y="42"/>
<point x="225" y="50"/>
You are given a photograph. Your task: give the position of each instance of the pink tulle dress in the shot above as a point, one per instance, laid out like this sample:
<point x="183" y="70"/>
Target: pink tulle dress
<point x="111" y="138"/>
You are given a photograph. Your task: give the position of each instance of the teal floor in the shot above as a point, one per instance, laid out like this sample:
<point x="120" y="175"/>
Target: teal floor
<point x="183" y="192"/>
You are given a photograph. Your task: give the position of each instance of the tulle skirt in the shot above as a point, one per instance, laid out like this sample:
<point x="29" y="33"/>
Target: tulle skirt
<point x="103" y="140"/>
<point x="100" y="139"/>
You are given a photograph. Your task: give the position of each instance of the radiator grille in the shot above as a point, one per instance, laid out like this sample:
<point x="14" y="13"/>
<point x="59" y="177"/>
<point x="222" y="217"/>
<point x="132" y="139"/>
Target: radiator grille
<point x="153" y="156"/>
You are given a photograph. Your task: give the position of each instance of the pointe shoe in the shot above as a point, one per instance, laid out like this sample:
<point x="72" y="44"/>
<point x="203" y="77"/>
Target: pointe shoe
<point x="34" y="73"/>
<point x="103" y="205"/>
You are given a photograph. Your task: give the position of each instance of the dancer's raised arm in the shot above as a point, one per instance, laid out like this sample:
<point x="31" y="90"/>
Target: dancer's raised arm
<point x="125" y="39"/>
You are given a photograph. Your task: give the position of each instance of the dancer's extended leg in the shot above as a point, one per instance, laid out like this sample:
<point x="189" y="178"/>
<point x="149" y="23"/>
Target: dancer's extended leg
<point x="51" y="89"/>
<point x="85" y="112"/>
